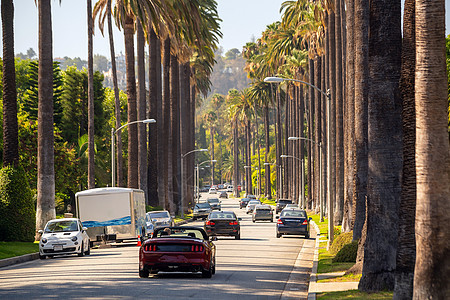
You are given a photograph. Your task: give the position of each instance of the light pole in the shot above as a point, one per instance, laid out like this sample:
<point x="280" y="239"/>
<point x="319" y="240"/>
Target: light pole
<point x="329" y="169"/>
<point x="198" y="165"/>
<point x="113" y="134"/>
<point x="295" y="138"/>
<point x="302" y="194"/>
<point x="257" y="177"/>
<point x="183" y="205"/>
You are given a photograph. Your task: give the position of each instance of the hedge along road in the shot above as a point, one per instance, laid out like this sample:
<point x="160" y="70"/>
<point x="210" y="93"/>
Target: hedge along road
<point x="255" y="267"/>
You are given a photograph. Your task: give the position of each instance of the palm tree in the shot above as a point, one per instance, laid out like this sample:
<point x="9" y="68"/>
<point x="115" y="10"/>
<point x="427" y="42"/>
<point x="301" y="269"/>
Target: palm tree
<point x="45" y="206"/>
<point x="10" y="127"/>
<point x="432" y="154"/>
<point x="385" y="148"/>
<point x="91" y="147"/>
<point x="406" y="250"/>
<point x="98" y="9"/>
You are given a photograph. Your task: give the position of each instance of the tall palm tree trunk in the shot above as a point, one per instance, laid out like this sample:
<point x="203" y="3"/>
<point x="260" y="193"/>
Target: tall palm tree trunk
<point x="431" y="275"/>
<point x="339" y="120"/>
<point x="132" y="108"/>
<point x="236" y="157"/>
<point x="45" y="206"/>
<point x="119" y="160"/>
<point x="174" y="139"/>
<point x="302" y="132"/>
<point x="323" y="132"/>
<point x="385" y="147"/>
<point x="317" y="130"/>
<point x="268" y="187"/>
<point x="184" y="136"/>
<point x="91" y="147"/>
<point x="166" y="171"/>
<point x="406" y="250"/>
<point x="154" y="112"/>
<point x="10" y="127"/>
<point x="279" y="146"/>
<point x="141" y="110"/>
<point x="310" y="136"/>
<point x="332" y="141"/>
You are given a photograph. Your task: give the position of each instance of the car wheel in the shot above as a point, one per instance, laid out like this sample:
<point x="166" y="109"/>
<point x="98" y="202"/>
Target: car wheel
<point x="237" y="237"/>
<point x="271" y="220"/>
<point x="214" y="267"/>
<point x="253" y="221"/>
<point x="42" y="256"/>
<point x="50" y="256"/>
<point x="278" y="235"/>
<point x="194" y="218"/>
<point x="143" y="273"/>
<point x="81" y="250"/>
<point x="88" y="251"/>
<point x="207" y="273"/>
<point x="307" y="236"/>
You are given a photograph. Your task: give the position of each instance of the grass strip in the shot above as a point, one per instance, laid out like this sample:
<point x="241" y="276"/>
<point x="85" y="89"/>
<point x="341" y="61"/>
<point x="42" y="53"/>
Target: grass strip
<point x="355" y="295"/>
<point x="12" y="249"/>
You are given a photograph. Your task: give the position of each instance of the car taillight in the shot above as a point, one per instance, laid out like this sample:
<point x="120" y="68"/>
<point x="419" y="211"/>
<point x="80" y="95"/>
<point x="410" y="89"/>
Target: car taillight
<point x="210" y="223"/>
<point x="234" y="223"/>
<point x="150" y="247"/>
<point x="279" y="221"/>
<point x="196" y="248"/>
<point x="305" y="222"/>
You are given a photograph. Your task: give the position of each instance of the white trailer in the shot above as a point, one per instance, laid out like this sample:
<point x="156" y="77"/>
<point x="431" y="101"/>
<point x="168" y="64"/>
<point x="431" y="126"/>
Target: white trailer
<point x="112" y="213"/>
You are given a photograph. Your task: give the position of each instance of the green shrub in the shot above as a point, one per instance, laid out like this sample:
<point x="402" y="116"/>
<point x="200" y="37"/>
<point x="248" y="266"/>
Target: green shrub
<point x="340" y="241"/>
<point x="347" y="253"/>
<point x="17" y="211"/>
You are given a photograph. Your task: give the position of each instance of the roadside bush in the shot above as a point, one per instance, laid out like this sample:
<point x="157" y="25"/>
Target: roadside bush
<point x="17" y="211"/>
<point x="347" y="253"/>
<point x="340" y="241"/>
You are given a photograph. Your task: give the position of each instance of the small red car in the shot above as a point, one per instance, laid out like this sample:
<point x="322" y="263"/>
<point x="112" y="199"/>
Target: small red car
<point x="178" y="249"/>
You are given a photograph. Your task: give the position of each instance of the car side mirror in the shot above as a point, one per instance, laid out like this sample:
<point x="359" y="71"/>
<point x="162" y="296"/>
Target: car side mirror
<point x="213" y="238"/>
<point x="239" y="219"/>
<point x="309" y="219"/>
<point x="40" y="231"/>
<point x="172" y="216"/>
<point x="277" y="217"/>
<point x="84" y="228"/>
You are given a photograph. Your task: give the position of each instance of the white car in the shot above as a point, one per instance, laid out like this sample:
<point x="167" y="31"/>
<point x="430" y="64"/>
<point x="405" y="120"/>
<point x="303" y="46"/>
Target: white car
<point x="251" y="205"/>
<point x="230" y="189"/>
<point x="64" y="236"/>
<point x="212" y="190"/>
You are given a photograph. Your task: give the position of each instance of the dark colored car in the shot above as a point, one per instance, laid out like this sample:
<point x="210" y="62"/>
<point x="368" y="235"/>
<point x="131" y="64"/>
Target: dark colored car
<point x="262" y="212"/>
<point x="178" y="249"/>
<point x="251" y="196"/>
<point x="215" y="203"/>
<point x="293" y="221"/>
<point x="281" y="204"/>
<point x="243" y="202"/>
<point x="223" y="223"/>
<point x="223" y="195"/>
<point x="201" y="210"/>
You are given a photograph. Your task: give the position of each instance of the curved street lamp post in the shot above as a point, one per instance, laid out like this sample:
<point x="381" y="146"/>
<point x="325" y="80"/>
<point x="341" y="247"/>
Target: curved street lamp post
<point x="113" y="134"/>
<point x="198" y="180"/>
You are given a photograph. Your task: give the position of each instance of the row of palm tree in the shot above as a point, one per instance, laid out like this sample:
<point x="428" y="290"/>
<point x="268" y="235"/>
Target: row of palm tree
<point x="378" y="129"/>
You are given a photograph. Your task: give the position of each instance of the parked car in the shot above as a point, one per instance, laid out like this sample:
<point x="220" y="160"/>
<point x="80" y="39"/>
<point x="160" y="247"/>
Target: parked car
<point x="281" y="203"/>
<point x="223" y="195"/>
<point x="220" y="186"/>
<point x="293" y="221"/>
<point x="223" y="223"/>
<point x="178" y="249"/>
<point x="201" y="210"/>
<point x="262" y="212"/>
<point x="212" y="190"/>
<point x="230" y="188"/>
<point x="251" y="205"/>
<point x="64" y="236"/>
<point x="160" y="218"/>
<point x="215" y="203"/>
<point x="243" y="202"/>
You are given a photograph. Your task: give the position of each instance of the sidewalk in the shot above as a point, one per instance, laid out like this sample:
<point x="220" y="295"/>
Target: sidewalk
<point x="322" y="287"/>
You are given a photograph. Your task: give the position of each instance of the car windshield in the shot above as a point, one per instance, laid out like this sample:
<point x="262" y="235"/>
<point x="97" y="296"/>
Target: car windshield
<point x="62" y="226"/>
<point x="222" y="215"/>
<point x="180" y="233"/>
<point x="254" y="202"/>
<point x="284" y="201"/>
<point x="161" y="214"/>
<point x="213" y="200"/>
<point x="293" y="213"/>
<point x="202" y="205"/>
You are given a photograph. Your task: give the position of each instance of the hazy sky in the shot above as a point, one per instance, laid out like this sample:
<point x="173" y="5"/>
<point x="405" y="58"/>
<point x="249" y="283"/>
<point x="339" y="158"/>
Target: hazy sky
<point x="242" y="20"/>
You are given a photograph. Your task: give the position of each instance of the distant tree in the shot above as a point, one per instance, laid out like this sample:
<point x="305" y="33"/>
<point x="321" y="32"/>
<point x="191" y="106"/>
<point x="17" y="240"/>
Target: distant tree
<point x="101" y="63"/>
<point x="31" y="53"/>
<point x="78" y="62"/>
<point x="232" y="53"/>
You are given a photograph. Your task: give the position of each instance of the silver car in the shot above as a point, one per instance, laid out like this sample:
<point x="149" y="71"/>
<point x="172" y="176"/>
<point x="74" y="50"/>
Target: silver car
<point x="160" y="218"/>
<point x="251" y="205"/>
<point x="64" y="236"/>
<point x="201" y="210"/>
<point x="262" y="212"/>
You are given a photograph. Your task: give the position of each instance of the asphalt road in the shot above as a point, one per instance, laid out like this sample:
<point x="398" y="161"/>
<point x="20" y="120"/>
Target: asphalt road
<point x="256" y="267"/>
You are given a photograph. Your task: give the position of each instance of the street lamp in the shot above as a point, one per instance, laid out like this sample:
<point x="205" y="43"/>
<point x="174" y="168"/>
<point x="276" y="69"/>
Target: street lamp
<point x="183" y="206"/>
<point x="113" y="133"/>
<point x="257" y="176"/>
<point x="302" y="194"/>
<point x="295" y="138"/>
<point x="198" y="165"/>
<point x="329" y="169"/>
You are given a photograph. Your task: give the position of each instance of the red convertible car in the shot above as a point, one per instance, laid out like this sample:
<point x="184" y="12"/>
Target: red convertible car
<point x="178" y="249"/>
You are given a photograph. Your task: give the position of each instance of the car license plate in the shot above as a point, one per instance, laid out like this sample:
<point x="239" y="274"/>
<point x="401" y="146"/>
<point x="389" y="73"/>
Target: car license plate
<point x="57" y="248"/>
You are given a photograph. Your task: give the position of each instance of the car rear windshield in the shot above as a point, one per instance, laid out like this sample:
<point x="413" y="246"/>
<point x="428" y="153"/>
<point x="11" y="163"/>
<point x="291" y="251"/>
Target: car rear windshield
<point x="284" y="201"/>
<point x="222" y="215"/>
<point x="263" y="208"/>
<point x="203" y="205"/>
<point x="213" y="200"/>
<point x="294" y="214"/>
<point x="163" y="214"/>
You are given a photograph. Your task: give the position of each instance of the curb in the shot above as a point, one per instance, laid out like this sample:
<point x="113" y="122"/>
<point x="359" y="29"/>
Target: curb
<point x="313" y="279"/>
<point x="18" y="259"/>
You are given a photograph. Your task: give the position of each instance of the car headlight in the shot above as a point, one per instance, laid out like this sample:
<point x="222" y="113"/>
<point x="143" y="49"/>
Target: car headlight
<point x="74" y="238"/>
<point x="44" y="240"/>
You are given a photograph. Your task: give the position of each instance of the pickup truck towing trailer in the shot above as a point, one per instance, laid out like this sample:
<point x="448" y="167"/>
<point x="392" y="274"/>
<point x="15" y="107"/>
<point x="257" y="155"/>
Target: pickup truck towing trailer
<point x="112" y="214"/>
